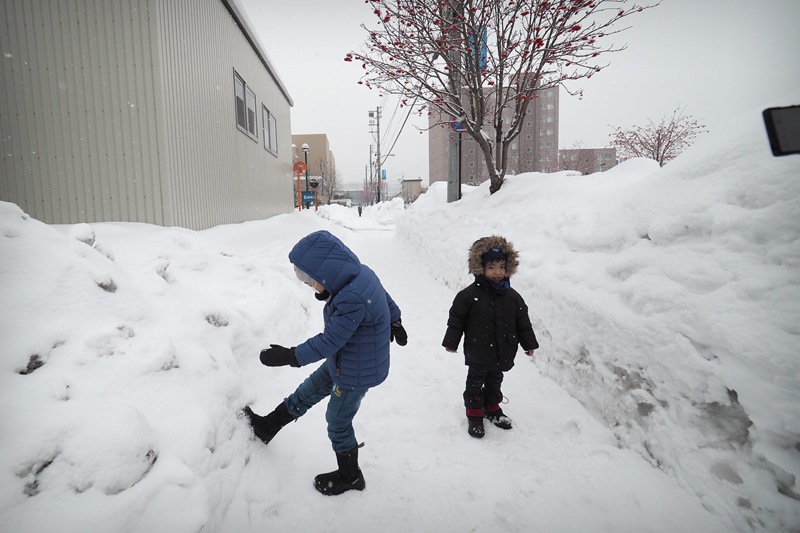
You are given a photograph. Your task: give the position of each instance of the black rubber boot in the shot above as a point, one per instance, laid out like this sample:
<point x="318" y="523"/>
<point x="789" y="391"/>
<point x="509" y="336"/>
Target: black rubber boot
<point x="498" y="418"/>
<point x="347" y="477"/>
<point x="266" y="427"/>
<point x="476" y="426"/>
<point x="474" y="405"/>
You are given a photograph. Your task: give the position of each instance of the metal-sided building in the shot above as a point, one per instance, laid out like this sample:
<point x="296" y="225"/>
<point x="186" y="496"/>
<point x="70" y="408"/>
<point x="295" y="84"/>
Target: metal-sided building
<point x="159" y="111"/>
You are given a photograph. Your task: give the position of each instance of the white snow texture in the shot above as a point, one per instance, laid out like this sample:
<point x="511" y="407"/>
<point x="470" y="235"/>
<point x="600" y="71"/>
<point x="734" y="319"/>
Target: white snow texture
<point x="665" y="395"/>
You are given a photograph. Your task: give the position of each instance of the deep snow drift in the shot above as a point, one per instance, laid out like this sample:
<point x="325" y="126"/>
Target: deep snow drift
<point x="665" y="396"/>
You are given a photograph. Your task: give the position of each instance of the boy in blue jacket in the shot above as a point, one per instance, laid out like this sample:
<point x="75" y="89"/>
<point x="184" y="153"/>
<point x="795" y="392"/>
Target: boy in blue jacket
<point x="360" y="321"/>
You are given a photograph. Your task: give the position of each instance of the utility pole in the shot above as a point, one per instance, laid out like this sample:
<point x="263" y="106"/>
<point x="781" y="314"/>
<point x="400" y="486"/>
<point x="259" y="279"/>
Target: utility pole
<point x="453" y="136"/>
<point x="365" y="190"/>
<point x="377" y="116"/>
<point x="371" y="183"/>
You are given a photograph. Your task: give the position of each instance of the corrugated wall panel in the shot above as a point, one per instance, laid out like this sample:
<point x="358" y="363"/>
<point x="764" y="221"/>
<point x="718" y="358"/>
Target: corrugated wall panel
<point x="218" y="174"/>
<point x="79" y="139"/>
<point x="124" y="110"/>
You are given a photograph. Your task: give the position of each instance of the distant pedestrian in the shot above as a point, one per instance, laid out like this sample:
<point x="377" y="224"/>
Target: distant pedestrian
<point x="360" y="320"/>
<point x="493" y="319"/>
<point x="359" y="210"/>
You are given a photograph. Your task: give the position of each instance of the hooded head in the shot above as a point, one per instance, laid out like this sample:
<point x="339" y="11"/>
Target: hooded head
<point x="323" y="258"/>
<point x="487" y="249"/>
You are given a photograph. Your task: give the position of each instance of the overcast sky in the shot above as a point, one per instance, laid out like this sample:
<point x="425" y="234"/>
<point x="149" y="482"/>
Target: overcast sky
<point x="716" y="58"/>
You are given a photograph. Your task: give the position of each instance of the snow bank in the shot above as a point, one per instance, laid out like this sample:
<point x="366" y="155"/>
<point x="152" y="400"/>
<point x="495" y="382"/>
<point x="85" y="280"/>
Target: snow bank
<point x="666" y="300"/>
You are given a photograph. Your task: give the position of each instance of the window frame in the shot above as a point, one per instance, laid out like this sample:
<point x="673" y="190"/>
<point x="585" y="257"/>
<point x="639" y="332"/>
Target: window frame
<point x="270" y="125"/>
<point x="244" y="93"/>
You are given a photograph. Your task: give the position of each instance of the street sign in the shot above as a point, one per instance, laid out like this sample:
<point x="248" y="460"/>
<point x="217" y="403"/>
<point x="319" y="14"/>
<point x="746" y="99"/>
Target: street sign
<point x="457" y="126"/>
<point x="308" y="196"/>
<point x="299" y="167"/>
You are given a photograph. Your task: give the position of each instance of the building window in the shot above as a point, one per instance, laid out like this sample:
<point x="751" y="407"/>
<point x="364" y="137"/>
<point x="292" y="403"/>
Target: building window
<point x="245" y="107"/>
<point x="471" y="177"/>
<point x="270" y="131"/>
<point x="471" y="151"/>
<point x="472" y="164"/>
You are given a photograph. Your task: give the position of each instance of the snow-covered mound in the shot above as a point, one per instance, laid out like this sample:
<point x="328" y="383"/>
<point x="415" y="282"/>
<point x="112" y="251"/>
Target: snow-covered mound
<point x="666" y="300"/>
<point x="381" y="216"/>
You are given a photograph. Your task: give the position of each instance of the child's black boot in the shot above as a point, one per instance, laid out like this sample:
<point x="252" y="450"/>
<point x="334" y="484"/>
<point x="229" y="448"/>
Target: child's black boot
<point x="474" y="405"/>
<point x="495" y="415"/>
<point x="347" y="477"/>
<point x="475" y="425"/>
<point x="266" y="427"/>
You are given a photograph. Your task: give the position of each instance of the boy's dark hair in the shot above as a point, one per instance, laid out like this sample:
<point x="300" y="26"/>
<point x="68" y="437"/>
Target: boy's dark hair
<point x="484" y="246"/>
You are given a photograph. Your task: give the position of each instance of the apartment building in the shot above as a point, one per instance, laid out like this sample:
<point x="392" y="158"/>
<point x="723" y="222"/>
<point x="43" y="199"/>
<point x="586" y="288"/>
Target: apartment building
<point x="534" y="150"/>
<point x="587" y="160"/>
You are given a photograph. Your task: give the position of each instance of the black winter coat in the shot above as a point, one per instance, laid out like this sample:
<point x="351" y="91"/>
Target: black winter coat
<point x="493" y="324"/>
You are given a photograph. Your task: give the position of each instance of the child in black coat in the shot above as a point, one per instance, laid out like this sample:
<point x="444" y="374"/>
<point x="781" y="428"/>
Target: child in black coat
<point x="493" y="319"/>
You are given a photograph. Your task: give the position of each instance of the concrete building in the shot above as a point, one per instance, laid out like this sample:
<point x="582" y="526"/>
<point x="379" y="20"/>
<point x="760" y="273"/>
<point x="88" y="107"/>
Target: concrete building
<point x="534" y="150"/>
<point x="587" y="160"/>
<point x="321" y="164"/>
<point x="164" y="112"/>
<point x="320" y="156"/>
<point x="410" y="190"/>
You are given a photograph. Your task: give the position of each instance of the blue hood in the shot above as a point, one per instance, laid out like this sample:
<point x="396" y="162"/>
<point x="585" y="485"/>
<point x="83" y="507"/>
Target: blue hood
<point x="357" y="315"/>
<point x="326" y="259"/>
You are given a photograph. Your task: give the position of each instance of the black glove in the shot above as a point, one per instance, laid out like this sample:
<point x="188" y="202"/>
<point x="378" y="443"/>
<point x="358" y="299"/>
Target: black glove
<point x="398" y="333"/>
<point x="277" y="355"/>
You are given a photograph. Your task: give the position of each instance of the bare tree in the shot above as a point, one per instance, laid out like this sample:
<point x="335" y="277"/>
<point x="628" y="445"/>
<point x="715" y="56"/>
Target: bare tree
<point x="471" y="60"/>
<point x="577" y="157"/>
<point x="663" y="141"/>
<point x="329" y="181"/>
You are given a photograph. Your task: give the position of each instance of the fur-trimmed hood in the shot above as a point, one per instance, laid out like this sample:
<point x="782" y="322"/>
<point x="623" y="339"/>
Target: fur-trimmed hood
<point x="483" y="245"/>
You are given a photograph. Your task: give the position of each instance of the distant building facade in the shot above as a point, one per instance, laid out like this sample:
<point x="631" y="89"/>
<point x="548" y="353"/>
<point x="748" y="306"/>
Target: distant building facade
<point x="587" y="160"/>
<point x="534" y="150"/>
<point x="158" y="112"/>
<point x="410" y="190"/>
<point x="320" y="156"/>
<point x="321" y="164"/>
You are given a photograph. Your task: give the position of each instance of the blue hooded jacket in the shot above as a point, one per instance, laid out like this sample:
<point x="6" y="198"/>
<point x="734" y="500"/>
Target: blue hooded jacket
<point x="355" y="341"/>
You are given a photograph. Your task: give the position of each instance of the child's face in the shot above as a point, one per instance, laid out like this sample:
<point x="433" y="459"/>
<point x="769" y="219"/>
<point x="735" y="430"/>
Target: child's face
<point x="495" y="270"/>
<point x="314" y="285"/>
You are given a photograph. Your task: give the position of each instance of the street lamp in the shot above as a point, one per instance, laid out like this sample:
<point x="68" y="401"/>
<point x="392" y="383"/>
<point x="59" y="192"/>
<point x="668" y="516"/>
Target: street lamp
<point x="305" y="157"/>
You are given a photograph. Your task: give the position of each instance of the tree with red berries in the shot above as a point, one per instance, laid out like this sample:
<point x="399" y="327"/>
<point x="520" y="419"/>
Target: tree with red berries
<point x="661" y="142"/>
<point x="482" y="61"/>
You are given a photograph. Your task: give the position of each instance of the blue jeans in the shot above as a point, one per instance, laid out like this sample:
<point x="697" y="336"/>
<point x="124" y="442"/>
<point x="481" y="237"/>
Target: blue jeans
<point x="342" y="406"/>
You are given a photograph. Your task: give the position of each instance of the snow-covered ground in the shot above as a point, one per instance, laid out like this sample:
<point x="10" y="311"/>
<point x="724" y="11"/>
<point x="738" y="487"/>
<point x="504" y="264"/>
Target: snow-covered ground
<point x="665" y="396"/>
